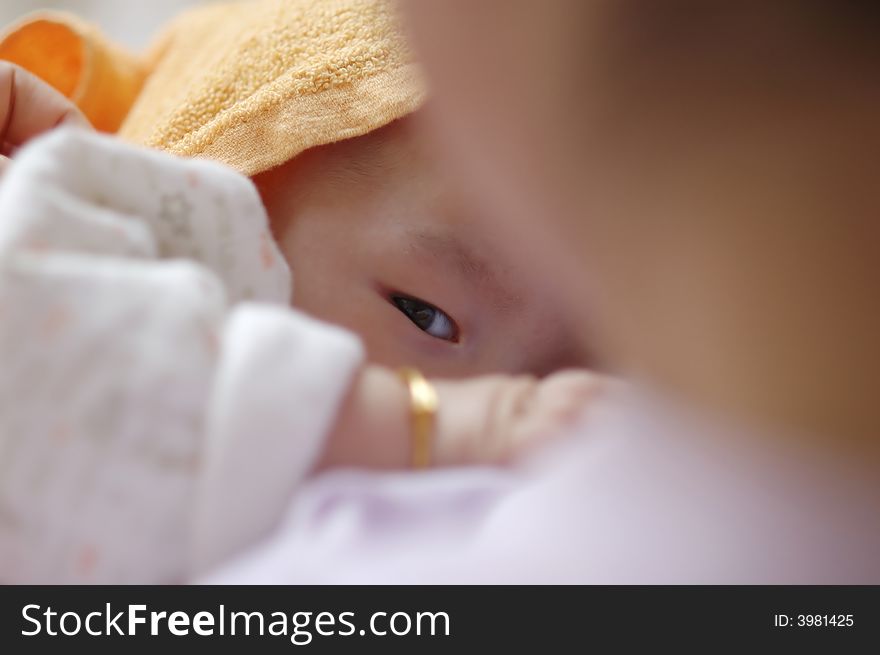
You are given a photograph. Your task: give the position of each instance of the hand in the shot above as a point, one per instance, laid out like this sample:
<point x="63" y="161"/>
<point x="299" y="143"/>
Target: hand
<point x="484" y="420"/>
<point x="494" y="419"/>
<point x="28" y="108"/>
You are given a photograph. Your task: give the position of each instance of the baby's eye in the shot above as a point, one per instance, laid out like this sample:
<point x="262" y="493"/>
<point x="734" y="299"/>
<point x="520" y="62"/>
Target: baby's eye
<point x="427" y="318"/>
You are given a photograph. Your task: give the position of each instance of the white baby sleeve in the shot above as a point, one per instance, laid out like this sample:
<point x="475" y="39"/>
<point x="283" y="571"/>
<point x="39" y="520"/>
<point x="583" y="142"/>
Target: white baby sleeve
<point x="126" y="390"/>
<point x="82" y="192"/>
<point x="277" y="390"/>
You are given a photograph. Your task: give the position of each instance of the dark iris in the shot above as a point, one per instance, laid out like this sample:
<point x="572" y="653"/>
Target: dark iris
<point x="427" y="318"/>
<point x="422" y="314"/>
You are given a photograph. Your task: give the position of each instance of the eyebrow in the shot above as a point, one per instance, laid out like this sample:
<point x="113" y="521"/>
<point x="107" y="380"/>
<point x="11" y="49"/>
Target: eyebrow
<point x="466" y="261"/>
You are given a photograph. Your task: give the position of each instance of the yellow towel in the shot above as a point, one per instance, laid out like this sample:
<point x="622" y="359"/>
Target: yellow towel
<point x="251" y="84"/>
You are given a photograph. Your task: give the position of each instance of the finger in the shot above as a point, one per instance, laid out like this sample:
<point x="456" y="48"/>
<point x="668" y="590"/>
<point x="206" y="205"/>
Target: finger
<point x="29" y="107"/>
<point x="4" y="163"/>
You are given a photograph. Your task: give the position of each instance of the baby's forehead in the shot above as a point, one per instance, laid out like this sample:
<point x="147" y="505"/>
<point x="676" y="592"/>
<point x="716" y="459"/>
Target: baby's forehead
<point x="392" y="179"/>
<point x="373" y="158"/>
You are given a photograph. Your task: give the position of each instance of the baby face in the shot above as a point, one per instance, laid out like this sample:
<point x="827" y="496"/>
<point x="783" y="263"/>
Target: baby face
<point x="380" y="244"/>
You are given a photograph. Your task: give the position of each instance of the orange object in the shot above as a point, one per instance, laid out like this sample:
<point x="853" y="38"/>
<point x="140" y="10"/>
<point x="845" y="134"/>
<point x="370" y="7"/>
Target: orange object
<point x="250" y="84"/>
<point x="101" y="78"/>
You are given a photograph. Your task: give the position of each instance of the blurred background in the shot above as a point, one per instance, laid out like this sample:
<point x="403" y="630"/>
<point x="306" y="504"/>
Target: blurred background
<point x="129" y="22"/>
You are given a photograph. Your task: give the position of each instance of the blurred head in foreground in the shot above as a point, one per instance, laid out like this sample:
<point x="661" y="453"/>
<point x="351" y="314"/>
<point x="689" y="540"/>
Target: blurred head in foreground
<point x="708" y="167"/>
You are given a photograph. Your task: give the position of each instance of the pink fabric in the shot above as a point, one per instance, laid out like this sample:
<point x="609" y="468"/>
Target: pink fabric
<point x="638" y="496"/>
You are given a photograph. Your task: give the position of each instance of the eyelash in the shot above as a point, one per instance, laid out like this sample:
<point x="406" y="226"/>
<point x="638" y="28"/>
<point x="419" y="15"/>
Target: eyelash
<point x="409" y="307"/>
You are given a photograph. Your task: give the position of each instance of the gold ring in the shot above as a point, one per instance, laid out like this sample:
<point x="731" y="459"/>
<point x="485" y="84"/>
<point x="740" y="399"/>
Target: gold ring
<point x="423" y="415"/>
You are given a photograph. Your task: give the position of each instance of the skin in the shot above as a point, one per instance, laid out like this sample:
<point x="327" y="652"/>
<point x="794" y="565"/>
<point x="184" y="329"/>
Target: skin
<point x="491" y="419"/>
<point x="29" y="107"/>
<point x="487" y="419"/>
<point x="371" y="219"/>
<point x="705" y="179"/>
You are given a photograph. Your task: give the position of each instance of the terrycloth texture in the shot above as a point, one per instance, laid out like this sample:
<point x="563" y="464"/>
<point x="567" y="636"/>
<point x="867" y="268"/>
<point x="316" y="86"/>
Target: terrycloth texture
<point x="250" y="84"/>
<point x="151" y="422"/>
